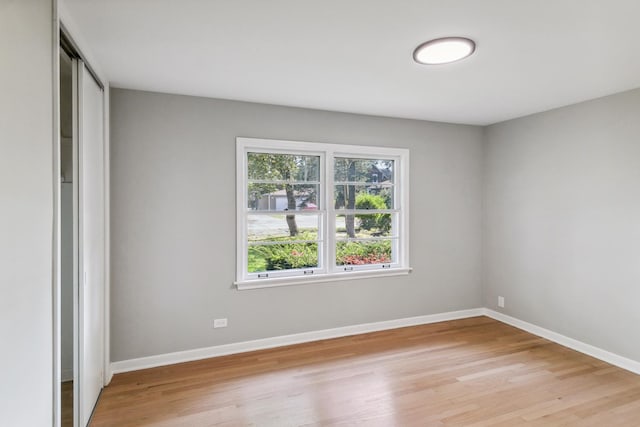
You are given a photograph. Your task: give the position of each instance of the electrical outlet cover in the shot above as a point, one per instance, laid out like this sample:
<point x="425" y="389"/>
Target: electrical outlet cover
<point x="220" y="323"/>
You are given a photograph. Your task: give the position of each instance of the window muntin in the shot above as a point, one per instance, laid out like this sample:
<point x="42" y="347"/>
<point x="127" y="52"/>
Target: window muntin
<point x="319" y="210"/>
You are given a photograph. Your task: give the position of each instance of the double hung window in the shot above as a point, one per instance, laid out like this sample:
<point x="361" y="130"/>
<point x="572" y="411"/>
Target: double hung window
<point x="311" y="212"/>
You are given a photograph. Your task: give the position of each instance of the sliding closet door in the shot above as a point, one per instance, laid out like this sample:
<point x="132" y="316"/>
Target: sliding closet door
<point x="92" y="242"/>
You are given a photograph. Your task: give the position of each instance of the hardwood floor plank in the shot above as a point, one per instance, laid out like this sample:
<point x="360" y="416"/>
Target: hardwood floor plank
<point x="66" y="404"/>
<point x="468" y="372"/>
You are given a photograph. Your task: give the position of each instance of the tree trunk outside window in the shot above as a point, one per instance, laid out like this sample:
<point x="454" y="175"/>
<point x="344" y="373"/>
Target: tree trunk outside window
<point x="349" y="220"/>
<point x="291" y="206"/>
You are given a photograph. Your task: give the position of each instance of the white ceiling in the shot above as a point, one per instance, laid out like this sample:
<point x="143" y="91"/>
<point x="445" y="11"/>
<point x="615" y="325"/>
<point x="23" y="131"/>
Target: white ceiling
<point x="356" y="55"/>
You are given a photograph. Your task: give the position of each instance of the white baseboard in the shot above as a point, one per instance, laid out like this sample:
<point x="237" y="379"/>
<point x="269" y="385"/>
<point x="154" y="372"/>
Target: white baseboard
<point x="261" y="344"/>
<point x="598" y="353"/>
<point x="108" y="375"/>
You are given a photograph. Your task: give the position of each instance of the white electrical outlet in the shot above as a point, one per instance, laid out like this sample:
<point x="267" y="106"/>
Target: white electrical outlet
<point x="219" y="323"/>
<point x="501" y="302"/>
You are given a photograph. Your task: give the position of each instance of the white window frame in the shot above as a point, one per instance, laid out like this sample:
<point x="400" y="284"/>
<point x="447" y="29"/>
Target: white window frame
<point x="326" y="271"/>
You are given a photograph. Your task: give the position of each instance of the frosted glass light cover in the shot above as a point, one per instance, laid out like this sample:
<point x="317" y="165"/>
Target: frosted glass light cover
<point x="444" y="51"/>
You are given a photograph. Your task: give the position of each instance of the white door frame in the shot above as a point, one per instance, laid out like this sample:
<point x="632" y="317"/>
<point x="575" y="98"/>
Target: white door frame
<point x="56" y="220"/>
<point x="76" y="241"/>
<point x="91" y="259"/>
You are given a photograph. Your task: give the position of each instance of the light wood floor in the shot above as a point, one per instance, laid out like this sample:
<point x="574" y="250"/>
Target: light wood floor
<point x="470" y="372"/>
<point x="66" y="398"/>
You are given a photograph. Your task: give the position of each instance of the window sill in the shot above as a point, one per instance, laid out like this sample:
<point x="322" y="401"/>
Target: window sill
<point x="335" y="277"/>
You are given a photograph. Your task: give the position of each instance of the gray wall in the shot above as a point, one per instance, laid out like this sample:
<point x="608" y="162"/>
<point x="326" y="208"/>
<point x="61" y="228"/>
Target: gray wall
<point x="26" y="201"/>
<point x="173" y="224"/>
<point x="562" y="220"/>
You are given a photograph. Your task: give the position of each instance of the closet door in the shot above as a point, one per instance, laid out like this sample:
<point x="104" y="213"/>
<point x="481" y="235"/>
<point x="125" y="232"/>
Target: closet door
<point x="91" y="242"/>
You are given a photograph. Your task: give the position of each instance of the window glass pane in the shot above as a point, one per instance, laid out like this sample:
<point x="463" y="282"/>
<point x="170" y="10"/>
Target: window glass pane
<point x="365" y="196"/>
<point x="363" y="226"/>
<point x="374" y="171"/>
<point x="283" y="167"/>
<point x="363" y="253"/>
<point x="274" y="228"/>
<point x="280" y="197"/>
<point x="283" y="256"/>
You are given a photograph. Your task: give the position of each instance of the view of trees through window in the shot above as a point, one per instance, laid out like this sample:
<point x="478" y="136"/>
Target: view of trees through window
<point x="363" y="196"/>
<point x="278" y="186"/>
<point x="286" y="212"/>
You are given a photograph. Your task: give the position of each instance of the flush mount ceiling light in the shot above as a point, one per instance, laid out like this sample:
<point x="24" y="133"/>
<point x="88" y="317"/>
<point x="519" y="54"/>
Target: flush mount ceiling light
<point x="444" y="50"/>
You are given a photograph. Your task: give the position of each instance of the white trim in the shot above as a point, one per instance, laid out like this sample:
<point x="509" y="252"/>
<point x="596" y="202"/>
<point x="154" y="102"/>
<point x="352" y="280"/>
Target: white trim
<point x="241" y="197"/>
<point x="75" y="105"/>
<point x="320" y="278"/>
<point x="107" y="374"/>
<point x="588" y="349"/>
<point x="265" y="343"/>
<point x="56" y="273"/>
